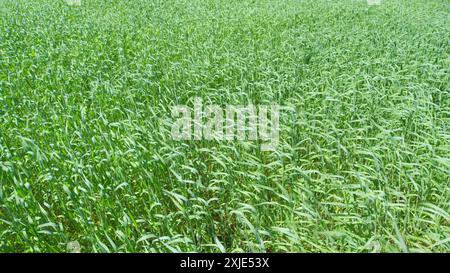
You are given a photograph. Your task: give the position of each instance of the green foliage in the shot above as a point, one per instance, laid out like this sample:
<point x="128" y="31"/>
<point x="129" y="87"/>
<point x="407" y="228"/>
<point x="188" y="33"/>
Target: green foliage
<point x="86" y="154"/>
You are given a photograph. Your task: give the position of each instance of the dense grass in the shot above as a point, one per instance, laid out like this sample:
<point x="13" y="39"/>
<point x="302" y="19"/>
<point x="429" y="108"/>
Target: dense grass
<point x="85" y="147"/>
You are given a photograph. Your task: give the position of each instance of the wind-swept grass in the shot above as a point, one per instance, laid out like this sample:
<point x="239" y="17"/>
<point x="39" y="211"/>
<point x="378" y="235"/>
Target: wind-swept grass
<point x="85" y="148"/>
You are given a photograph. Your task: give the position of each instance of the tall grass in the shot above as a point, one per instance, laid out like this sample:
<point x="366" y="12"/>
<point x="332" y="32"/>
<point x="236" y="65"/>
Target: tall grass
<point x="85" y="147"/>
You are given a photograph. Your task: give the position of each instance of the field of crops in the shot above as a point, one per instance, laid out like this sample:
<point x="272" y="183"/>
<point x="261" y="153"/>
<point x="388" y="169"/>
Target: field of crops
<point x="87" y="157"/>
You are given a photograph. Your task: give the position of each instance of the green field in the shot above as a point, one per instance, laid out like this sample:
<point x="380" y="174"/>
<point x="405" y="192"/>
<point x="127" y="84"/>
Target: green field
<point x="86" y="154"/>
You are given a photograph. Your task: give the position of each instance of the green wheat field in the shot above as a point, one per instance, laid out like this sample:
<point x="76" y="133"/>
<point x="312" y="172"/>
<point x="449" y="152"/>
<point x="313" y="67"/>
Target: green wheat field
<point x="87" y="160"/>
